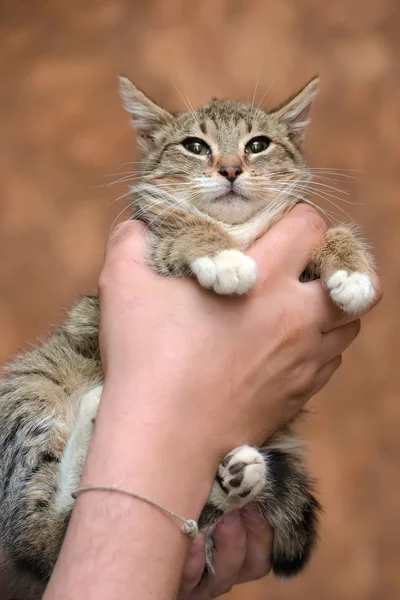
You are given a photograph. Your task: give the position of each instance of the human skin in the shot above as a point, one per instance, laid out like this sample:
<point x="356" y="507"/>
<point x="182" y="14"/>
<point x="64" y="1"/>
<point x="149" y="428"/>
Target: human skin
<point x="243" y="548"/>
<point x="188" y="376"/>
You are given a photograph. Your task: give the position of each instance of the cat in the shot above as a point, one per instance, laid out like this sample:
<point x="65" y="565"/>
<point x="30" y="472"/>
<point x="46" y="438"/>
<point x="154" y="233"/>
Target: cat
<point x="212" y="181"/>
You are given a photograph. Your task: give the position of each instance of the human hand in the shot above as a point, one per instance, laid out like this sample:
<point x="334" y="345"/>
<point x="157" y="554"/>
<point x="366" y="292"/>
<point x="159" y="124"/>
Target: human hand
<point x="250" y="363"/>
<point x="243" y="542"/>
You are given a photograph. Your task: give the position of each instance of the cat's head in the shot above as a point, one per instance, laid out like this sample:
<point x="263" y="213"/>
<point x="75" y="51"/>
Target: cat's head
<point x="227" y="159"/>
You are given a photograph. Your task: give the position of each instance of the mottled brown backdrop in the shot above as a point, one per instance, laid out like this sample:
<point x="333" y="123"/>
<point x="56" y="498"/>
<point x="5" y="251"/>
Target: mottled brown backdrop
<point x="63" y="134"/>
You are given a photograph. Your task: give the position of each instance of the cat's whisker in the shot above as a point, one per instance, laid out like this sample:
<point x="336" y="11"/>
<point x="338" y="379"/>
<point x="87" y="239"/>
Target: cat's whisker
<point x="119" y="215"/>
<point x="126" y="195"/>
<point x="130" y="162"/>
<point x="316" y="190"/>
<point x="123" y="180"/>
<point x="313" y="182"/>
<point x="187" y="103"/>
<point x="312" y="185"/>
<point x="308" y="187"/>
<point x="144" y="210"/>
<point x="291" y="191"/>
<point x="323" y="197"/>
<point x="267" y="91"/>
<point x="333" y="179"/>
<point x="255" y="91"/>
<point x="325" y="213"/>
<point x="312" y="188"/>
<point x="336" y="173"/>
<point x="320" y="193"/>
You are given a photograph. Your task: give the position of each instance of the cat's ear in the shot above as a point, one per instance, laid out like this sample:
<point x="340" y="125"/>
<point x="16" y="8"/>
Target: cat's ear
<point x="146" y="115"/>
<point x="296" y="112"/>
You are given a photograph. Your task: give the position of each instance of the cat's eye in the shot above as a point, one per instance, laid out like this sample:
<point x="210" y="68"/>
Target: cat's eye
<point x="196" y="146"/>
<point x="257" y="145"/>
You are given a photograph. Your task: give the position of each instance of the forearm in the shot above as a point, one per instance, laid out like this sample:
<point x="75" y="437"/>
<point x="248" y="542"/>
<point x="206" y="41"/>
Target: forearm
<point x="117" y="546"/>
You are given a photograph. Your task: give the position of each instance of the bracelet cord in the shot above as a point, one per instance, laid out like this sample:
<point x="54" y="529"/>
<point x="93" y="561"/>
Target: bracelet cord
<point x="189" y="526"/>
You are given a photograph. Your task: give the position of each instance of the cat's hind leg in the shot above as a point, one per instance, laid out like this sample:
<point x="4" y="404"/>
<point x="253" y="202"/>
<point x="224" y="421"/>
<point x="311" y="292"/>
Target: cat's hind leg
<point x="275" y="481"/>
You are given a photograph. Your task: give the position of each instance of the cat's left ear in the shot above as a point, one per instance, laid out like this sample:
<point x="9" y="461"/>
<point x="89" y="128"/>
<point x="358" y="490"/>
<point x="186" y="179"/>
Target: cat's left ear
<point x="147" y="116"/>
<point x="296" y="112"/>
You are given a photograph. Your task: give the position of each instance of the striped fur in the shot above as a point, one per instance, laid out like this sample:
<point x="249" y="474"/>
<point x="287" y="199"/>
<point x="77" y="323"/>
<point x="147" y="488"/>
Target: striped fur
<point x="200" y="224"/>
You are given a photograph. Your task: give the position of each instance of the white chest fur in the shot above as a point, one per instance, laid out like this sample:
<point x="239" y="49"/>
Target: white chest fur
<point x="244" y="234"/>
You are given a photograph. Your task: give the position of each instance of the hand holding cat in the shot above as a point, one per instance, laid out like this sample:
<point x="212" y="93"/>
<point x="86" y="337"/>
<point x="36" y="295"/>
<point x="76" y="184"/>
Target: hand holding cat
<point x="190" y="375"/>
<point x="250" y="362"/>
<point x="243" y="553"/>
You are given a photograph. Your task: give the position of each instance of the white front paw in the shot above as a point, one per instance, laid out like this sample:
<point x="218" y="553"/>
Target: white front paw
<point x="227" y="272"/>
<point x="352" y="292"/>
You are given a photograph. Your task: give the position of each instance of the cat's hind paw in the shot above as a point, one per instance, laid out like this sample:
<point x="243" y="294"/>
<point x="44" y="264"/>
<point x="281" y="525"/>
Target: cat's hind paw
<point x="352" y="292"/>
<point x="241" y="477"/>
<point x="229" y="272"/>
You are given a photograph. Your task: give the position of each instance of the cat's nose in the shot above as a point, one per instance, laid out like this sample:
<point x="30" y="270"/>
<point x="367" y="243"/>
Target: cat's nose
<point x="231" y="172"/>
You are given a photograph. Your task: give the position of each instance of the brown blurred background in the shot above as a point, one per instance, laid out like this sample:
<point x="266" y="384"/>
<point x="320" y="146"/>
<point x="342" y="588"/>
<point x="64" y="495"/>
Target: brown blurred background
<point x="64" y="137"/>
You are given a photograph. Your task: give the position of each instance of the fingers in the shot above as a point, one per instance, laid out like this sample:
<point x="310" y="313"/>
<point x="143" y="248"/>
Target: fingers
<point x="330" y="316"/>
<point x="193" y="569"/>
<point x="291" y="241"/>
<point x="230" y="552"/>
<point x="229" y="555"/>
<point x="335" y="342"/>
<point x="125" y="259"/>
<point x="260" y="537"/>
<point x="243" y="550"/>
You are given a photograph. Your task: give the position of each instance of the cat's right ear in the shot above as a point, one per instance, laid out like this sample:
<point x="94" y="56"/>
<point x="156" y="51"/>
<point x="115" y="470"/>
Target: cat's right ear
<point x="146" y="115"/>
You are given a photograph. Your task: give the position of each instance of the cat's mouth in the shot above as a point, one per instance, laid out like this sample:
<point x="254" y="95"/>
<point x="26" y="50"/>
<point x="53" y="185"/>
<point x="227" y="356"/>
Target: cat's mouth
<point x="231" y="197"/>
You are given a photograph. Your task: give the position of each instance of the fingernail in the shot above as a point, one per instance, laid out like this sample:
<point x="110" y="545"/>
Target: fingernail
<point x="231" y="518"/>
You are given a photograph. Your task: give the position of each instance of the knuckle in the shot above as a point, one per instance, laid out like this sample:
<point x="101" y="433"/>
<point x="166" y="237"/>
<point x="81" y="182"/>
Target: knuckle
<point x="116" y="232"/>
<point x="304" y="377"/>
<point x="289" y="326"/>
<point x="116" y="271"/>
<point x="312" y="218"/>
<point x="129" y="227"/>
<point x="125" y="240"/>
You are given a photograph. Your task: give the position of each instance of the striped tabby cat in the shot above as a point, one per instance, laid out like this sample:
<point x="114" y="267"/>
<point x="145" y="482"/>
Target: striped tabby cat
<point x="212" y="180"/>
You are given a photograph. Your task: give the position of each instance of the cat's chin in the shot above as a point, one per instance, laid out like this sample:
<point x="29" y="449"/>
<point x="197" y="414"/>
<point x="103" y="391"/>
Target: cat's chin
<point x="231" y="208"/>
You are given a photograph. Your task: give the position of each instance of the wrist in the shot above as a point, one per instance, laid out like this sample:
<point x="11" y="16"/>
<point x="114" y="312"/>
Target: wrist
<point x="150" y="449"/>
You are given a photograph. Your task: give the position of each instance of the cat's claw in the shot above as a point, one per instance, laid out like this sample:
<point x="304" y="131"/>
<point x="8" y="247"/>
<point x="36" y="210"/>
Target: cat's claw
<point x="229" y="272"/>
<point x="352" y="292"/>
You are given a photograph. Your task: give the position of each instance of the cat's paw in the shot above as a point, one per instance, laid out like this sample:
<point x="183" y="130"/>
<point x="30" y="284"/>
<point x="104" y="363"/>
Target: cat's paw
<point x="228" y="272"/>
<point x="241" y="477"/>
<point x="352" y="292"/>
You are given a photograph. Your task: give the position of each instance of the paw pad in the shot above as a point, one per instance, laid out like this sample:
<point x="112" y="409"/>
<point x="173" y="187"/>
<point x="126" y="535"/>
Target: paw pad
<point x="241" y="475"/>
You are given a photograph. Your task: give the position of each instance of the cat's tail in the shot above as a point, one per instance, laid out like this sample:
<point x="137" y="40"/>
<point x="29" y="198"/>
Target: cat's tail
<point x="290" y="507"/>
